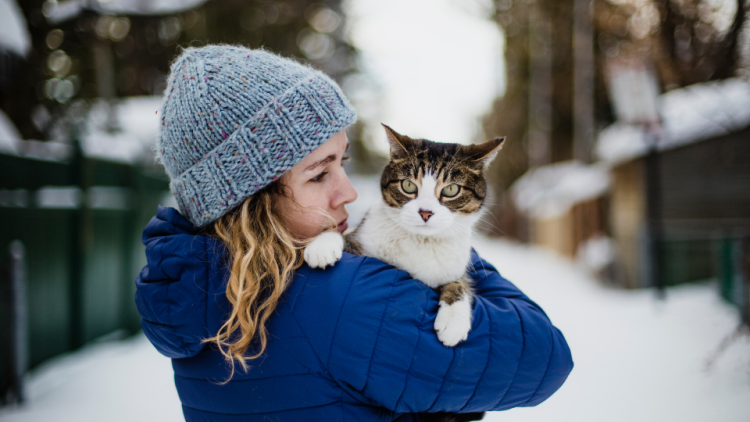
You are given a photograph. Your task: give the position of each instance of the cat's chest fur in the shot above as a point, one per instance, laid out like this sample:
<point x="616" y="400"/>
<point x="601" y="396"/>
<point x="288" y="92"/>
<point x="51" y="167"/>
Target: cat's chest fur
<point x="433" y="260"/>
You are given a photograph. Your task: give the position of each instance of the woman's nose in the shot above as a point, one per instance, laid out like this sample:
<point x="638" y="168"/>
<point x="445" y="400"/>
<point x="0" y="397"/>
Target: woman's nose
<point x="347" y="194"/>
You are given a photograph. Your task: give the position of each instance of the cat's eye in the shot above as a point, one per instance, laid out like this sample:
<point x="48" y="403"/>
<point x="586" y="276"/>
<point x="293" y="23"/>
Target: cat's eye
<point x="408" y="186"/>
<point x="451" y="190"/>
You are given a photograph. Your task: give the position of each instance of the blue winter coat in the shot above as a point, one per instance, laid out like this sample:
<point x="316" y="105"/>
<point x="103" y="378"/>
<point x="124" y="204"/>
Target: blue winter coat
<point x="351" y="343"/>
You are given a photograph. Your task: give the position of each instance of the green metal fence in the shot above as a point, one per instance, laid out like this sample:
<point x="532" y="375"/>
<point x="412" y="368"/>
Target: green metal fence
<point x="80" y="224"/>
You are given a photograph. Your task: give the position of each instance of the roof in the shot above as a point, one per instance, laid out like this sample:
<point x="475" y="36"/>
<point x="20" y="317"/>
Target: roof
<point x="550" y="191"/>
<point x="137" y="127"/>
<point x="691" y="114"/>
<point x="9" y="136"/>
<point x="62" y="11"/>
<point x="14" y="35"/>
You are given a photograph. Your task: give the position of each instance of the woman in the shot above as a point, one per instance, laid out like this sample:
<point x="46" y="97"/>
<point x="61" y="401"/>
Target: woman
<point x="254" y="145"/>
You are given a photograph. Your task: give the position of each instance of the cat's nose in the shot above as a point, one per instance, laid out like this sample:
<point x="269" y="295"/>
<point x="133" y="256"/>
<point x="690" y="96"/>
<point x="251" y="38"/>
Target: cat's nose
<point x="425" y="214"/>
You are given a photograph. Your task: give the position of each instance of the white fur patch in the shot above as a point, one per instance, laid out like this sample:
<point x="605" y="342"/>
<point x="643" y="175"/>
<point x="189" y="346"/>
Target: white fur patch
<point x="325" y="250"/>
<point x="435" y="259"/>
<point x="453" y="322"/>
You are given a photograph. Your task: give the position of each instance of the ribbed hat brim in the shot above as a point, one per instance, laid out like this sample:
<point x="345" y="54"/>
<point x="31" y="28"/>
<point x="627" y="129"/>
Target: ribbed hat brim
<point x="268" y="144"/>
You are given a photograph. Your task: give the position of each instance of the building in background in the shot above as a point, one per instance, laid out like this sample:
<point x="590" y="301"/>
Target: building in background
<point x="703" y="187"/>
<point x="674" y="214"/>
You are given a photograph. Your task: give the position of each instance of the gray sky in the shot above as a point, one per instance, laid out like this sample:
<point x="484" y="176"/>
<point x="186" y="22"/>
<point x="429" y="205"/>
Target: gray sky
<point x="432" y="67"/>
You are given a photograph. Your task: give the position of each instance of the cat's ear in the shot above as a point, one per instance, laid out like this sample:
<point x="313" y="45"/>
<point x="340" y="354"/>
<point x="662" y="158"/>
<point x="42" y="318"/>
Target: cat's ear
<point x="399" y="143"/>
<point x="485" y="152"/>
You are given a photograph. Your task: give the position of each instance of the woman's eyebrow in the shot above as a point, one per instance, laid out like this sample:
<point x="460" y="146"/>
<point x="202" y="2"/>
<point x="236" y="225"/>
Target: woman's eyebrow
<point x="322" y="162"/>
<point x="326" y="160"/>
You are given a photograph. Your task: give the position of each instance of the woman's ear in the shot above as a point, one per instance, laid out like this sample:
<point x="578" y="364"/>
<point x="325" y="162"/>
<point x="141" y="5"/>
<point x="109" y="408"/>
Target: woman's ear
<point x="485" y="152"/>
<point x="399" y="143"/>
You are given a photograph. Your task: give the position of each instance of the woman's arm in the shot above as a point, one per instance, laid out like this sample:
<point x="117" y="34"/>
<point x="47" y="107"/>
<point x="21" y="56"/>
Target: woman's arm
<point x="384" y="351"/>
<point x="492" y="287"/>
<point x="180" y="293"/>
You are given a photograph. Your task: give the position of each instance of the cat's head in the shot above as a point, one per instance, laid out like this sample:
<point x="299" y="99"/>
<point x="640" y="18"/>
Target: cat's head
<point x="434" y="188"/>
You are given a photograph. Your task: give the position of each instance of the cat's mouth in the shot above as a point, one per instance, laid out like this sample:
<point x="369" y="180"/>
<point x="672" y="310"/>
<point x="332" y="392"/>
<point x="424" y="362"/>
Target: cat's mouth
<point x="343" y="225"/>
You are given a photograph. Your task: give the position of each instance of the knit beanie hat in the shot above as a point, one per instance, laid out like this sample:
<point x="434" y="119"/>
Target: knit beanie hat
<point x="236" y="119"/>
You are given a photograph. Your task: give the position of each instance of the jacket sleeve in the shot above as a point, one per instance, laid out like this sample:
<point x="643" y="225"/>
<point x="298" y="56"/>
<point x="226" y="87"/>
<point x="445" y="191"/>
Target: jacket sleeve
<point x="385" y="352"/>
<point x="179" y="294"/>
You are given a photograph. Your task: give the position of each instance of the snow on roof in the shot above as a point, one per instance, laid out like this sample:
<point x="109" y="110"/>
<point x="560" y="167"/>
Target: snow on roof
<point x="9" y="136"/>
<point x="690" y="114"/>
<point x="149" y="7"/>
<point x="58" y="12"/>
<point x="14" y="35"/>
<point x="549" y="191"/>
<point x="137" y="128"/>
<point x="11" y="143"/>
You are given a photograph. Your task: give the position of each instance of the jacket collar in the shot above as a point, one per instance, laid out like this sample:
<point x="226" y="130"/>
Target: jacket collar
<point x="168" y="221"/>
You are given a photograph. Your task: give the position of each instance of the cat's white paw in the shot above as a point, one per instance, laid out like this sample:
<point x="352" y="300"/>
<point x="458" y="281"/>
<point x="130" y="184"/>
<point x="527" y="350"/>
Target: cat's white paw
<point x="324" y="250"/>
<point x="453" y="322"/>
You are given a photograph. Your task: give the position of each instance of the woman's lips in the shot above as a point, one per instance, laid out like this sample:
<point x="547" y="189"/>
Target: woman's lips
<point x="342" y="226"/>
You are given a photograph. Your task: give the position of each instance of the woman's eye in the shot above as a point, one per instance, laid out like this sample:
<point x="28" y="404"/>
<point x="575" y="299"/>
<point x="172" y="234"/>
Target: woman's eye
<point x="343" y="159"/>
<point x="408" y="186"/>
<point x="319" y="177"/>
<point x="451" y="190"/>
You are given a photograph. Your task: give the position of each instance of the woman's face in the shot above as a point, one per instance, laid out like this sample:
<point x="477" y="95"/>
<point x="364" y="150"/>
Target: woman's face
<point x="318" y="183"/>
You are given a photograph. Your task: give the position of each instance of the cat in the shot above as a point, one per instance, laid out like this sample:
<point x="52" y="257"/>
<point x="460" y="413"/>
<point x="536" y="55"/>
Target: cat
<point x="433" y="195"/>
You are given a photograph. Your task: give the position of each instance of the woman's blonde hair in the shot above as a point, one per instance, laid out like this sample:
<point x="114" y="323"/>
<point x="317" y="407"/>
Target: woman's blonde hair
<point x="264" y="256"/>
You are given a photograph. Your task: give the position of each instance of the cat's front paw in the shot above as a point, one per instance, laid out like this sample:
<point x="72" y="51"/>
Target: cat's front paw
<point x="453" y="322"/>
<point x="324" y="250"/>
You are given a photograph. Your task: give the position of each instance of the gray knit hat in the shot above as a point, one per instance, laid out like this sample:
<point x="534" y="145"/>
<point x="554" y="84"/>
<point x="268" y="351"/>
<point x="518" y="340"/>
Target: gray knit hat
<point x="236" y="119"/>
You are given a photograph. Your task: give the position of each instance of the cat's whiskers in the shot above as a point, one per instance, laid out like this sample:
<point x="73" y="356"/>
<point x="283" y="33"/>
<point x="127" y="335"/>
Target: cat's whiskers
<point x="494" y="227"/>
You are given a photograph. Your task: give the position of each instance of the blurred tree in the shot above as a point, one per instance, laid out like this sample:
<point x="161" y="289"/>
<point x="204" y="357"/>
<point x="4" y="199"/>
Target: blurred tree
<point x="701" y="38"/>
<point x="83" y="51"/>
<point x="688" y="41"/>
<point x="536" y="111"/>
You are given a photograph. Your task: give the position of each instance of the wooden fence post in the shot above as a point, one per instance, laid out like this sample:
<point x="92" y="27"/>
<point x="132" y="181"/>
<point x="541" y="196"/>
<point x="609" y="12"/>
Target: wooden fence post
<point x="745" y="274"/>
<point x="17" y="320"/>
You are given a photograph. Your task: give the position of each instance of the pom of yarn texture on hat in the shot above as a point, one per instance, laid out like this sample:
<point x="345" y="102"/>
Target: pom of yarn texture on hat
<point x="236" y="119"/>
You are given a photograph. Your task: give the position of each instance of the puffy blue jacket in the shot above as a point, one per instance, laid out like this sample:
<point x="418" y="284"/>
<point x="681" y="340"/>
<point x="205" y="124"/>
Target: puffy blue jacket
<point x="350" y="343"/>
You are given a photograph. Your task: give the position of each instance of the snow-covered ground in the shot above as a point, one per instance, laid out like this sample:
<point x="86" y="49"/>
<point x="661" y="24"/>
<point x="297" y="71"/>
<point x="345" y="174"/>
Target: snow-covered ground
<point x="637" y="358"/>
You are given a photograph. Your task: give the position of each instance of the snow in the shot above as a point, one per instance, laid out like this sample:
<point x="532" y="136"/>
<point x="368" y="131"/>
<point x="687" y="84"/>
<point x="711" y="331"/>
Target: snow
<point x="46" y="150"/>
<point x="9" y="136"/>
<point x="14" y="35"/>
<point x="136" y="129"/>
<point x="116" y="381"/>
<point x="57" y="12"/>
<point x="597" y="252"/>
<point x="58" y="197"/>
<point x="551" y="190"/>
<point x="140" y="7"/>
<point x="637" y="358"/>
<point x="137" y="122"/>
<point x="12" y="144"/>
<point x="690" y="114"/>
